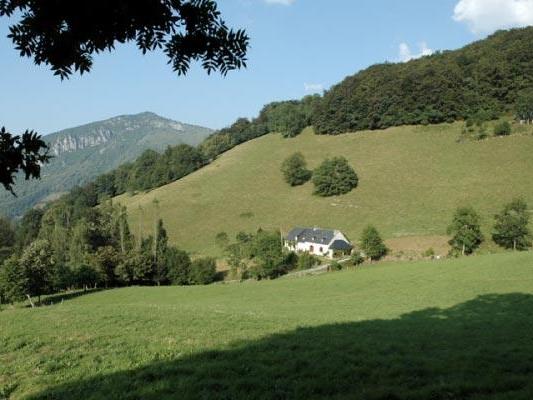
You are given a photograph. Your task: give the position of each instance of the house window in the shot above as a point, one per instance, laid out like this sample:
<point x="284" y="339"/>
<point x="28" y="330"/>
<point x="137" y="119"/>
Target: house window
<point x="321" y="250"/>
<point x="311" y="248"/>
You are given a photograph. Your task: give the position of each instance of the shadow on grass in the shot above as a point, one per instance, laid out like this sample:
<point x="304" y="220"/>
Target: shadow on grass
<point x="58" y="298"/>
<point x="481" y="349"/>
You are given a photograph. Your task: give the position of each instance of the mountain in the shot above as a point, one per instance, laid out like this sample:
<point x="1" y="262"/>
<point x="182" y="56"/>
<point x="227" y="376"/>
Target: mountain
<point x="84" y="152"/>
<point x="411" y="180"/>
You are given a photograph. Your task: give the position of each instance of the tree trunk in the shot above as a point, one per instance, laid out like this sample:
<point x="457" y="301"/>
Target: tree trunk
<point x="463" y="249"/>
<point x="31" y="302"/>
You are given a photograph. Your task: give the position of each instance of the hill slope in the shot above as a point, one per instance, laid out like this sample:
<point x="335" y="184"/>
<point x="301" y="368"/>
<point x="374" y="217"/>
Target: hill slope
<point x="445" y="330"/>
<point x="411" y="181"/>
<point x="83" y="152"/>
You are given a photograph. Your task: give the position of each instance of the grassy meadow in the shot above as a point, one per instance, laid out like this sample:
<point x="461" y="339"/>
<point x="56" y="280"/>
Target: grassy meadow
<point x="411" y="181"/>
<point x="454" y="329"/>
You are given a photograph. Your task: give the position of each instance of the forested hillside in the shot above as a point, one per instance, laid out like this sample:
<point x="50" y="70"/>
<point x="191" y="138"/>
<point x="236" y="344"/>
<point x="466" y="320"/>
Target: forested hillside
<point x="487" y="77"/>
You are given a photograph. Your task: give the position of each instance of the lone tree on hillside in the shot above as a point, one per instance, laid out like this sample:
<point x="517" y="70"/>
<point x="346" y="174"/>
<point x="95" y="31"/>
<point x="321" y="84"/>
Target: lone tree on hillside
<point x="334" y="177"/>
<point x="38" y="266"/>
<point x="294" y="170"/>
<point x="372" y="244"/>
<point x="465" y="231"/>
<point x="65" y="35"/>
<point x="511" y="230"/>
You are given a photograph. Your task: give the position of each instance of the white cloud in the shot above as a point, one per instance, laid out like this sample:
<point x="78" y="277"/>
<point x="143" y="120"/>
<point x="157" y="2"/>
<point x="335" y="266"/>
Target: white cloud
<point x="313" y="87"/>
<point x="281" y="2"/>
<point x="486" y="16"/>
<point x="405" y="53"/>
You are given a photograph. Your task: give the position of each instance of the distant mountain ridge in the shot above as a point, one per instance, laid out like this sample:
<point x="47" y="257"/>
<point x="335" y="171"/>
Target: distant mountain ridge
<point x="84" y="152"/>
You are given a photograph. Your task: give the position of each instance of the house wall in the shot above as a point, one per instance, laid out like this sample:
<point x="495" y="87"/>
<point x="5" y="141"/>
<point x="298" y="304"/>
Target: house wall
<point x="311" y="248"/>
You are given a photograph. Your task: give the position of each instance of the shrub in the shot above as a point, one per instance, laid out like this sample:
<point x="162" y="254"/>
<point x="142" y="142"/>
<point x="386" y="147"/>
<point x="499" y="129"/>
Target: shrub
<point x="203" y="271"/>
<point x="221" y="240"/>
<point x="307" y="261"/>
<point x="294" y="170"/>
<point x="335" y="266"/>
<point x="84" y="276"/>
<point x="429" y="253"/>
<point x="357" y="259"/>
<point x="502" y="128"/>
<point x="334" y="177"/>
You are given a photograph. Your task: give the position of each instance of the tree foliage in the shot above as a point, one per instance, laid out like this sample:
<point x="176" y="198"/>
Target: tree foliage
<point x="260" y="256"/>
<point x="488" y="75"/>
<point x="65" y="35"/>
<point x="294" y="169"/>
<point x="524" y="106"/>
<point x="511" y="229"/>
<point x="203" y="271"/>
<point x="38" y="266"/>
<point x="73" y="244"/>
<point x="13" y="281"/>
<point x="502" y="128"/>
<point x="465" y="230"/>
<point x="179" y="266"/>
<point x="372" y="244"/>
<point x="334" y="177"/>
<point x="25" y="153"/>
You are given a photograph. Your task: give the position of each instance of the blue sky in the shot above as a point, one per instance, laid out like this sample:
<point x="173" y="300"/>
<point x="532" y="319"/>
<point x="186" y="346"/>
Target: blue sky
<point x="298" y="46"/>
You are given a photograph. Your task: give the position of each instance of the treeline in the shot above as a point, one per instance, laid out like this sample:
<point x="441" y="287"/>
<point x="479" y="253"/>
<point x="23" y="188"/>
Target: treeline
<point x="490" y="76"/>
<point x="74" y="244"/>
<point x="288" y="118"/>
<point x="150" y="170"/>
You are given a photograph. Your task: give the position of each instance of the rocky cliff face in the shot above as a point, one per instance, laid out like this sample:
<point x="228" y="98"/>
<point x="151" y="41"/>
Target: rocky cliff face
<point x="70" y="143"/>
<point x="102" y="132"/>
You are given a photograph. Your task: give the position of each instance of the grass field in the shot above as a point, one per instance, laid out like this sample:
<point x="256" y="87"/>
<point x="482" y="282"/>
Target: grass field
<point x="411" y="181"/>
<point x="455" y="329"/>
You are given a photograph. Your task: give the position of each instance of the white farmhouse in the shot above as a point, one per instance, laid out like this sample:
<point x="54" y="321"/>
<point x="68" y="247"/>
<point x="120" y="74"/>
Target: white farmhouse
<point x="320" y="242"/>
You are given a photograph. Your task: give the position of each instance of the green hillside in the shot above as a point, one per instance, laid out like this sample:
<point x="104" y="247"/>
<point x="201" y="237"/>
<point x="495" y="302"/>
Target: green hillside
<point x="411" y="181"/>
<point x="443" y="330"/>
<point x="84" y="152"/>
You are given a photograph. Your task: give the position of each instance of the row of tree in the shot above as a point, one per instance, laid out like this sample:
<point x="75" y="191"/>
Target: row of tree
<point x="333" y="177"/>
<point x="511" y="228"/>
<point x="288" y="118"/>
<point x="73" y="244"/>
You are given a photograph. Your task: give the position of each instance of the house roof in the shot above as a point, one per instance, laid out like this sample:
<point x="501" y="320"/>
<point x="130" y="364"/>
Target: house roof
<point x="340" y="245"/>
<point x="317" y="236"/>
<point x="312" y="235"/>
